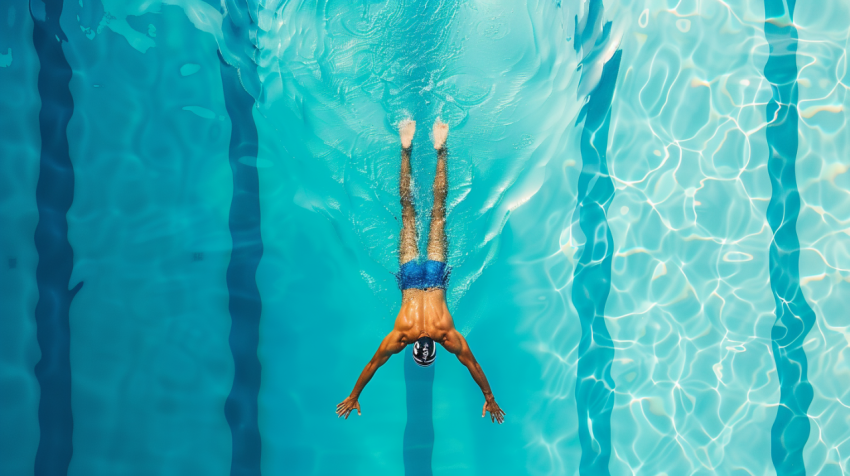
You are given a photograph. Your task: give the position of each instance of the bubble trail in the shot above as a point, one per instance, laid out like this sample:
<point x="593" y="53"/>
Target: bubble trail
<point x="794" y="317"/>
<point x="245" y="304"/>
<point x="592" y="280"/>
<point x="54" y="195"/>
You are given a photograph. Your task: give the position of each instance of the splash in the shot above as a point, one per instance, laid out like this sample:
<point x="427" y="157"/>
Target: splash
<point x="338" y="77"/>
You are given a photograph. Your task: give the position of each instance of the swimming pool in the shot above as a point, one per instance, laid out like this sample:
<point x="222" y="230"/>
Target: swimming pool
<point x="645" y="238"/>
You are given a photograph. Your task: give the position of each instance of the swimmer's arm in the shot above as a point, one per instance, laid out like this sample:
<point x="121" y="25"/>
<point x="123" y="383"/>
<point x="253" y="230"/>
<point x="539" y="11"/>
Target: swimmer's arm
<point x="392" y="344"/>
<point x="456" y="344"/>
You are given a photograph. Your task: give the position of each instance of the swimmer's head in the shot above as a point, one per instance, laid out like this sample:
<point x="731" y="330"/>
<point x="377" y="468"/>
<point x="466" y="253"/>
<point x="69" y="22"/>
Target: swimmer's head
<point x="424" y="351"/>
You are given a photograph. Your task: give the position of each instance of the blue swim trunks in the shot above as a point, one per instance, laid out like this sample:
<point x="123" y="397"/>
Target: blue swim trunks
<point x="425" y="275"/>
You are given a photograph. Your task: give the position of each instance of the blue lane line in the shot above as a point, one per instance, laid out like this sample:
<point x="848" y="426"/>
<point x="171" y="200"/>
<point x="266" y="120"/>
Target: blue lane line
<point x="245" y="305"/>
<point x="592" y="280"/>
<point x="54" y="195"/>
<point x="419" y="431"/>
<point x="794" y="317"/>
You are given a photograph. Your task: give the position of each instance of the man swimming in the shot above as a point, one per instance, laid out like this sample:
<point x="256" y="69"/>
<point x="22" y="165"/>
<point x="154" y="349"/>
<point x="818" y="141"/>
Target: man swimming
<point x="424" y="318"/>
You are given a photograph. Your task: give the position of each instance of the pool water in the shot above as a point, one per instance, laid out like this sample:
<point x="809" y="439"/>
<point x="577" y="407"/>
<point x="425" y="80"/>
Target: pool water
<point x="648" y="218"/>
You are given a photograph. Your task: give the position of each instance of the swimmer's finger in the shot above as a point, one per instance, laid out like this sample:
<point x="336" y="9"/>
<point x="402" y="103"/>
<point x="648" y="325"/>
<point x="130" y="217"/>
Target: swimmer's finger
<point x="484" y="411"/>
<point x="358" y="408"/>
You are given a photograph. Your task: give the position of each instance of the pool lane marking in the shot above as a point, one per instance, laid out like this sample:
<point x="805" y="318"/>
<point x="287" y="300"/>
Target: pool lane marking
<point x="54" y="195"/>
<point x="245" y="307"/>
<point x="592" y="280"/>
<point x="794" y="317"/>
<point x="418" y="446"/>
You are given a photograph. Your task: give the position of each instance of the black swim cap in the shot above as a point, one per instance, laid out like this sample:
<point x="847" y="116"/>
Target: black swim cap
<point x="424" y="351"/>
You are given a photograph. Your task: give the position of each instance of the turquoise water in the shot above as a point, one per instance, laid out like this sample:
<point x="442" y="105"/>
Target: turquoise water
<point x="622" y="239"/>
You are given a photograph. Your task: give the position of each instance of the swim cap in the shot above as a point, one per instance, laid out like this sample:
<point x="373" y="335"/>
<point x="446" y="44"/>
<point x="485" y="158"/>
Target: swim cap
<point x="424" y="351"/>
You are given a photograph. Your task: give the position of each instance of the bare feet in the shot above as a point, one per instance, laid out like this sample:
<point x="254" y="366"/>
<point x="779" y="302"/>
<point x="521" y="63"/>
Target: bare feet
<point x="406" y="128"/>
<point x="441" y="132"/>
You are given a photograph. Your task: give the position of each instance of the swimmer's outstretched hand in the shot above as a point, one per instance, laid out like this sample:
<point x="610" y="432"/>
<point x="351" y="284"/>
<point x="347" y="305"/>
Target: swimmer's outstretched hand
<point x="496" y="413"/>
<point x="406" y="128"/>
<point x="440" y="132"/>
<point x="347" y="406"/>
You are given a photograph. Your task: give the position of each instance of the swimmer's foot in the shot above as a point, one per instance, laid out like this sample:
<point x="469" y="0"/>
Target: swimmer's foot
<point x="406" y="128"/>
<point x="440" y="133"/>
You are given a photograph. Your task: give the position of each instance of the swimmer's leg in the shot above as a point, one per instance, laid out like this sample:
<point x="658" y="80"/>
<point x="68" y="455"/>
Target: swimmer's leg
<point x="407" y="250"/>
<point x="437" y="243"/>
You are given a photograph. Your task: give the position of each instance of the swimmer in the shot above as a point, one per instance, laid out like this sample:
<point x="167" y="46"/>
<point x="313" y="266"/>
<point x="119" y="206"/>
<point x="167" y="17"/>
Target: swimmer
<point x="424" y="318"/>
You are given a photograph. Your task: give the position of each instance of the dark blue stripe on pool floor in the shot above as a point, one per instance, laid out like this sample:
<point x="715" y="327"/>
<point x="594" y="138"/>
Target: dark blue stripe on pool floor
<point x="419" y="431"/>
<point x="794" y="317"/>
<point x="54" y="195"/>
<point x="592" y="280"/>
<point x="245" y="306"/>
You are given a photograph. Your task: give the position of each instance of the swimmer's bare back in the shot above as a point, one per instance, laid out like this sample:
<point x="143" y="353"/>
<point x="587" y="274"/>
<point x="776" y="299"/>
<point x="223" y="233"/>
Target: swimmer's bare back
<point x="423" y="311"/>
